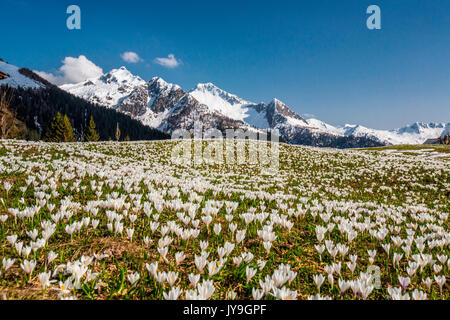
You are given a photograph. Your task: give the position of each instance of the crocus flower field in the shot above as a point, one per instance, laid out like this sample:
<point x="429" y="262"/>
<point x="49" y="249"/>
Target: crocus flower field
<point x="122" y="221"/>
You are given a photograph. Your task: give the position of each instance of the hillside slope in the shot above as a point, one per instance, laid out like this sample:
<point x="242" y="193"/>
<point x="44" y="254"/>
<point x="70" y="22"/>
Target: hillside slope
<point x="36" y="102"/>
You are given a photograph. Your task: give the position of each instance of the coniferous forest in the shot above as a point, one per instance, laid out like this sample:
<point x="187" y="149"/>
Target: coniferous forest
<point x="37" y="109"/>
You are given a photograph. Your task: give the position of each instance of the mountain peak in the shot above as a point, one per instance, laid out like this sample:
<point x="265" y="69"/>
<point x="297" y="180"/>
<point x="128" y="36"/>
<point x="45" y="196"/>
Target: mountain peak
<point x="159" y="80"/>
<point x="220" y="101"/>
<point x="277" y="102"/>
<point x="121" y="75"/>
<point x="205" y="91"/>
<point x="209" y="87"/>
<point x="121" y="70"/>
<point x="206" y="85"/>
<point x="162" y="84"/>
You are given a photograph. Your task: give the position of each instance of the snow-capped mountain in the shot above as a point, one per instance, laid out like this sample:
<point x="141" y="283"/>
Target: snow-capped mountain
<point x="416" y="133"/>
<point x="294" y="128"/>
<point x="107" y="90"/>
<point x="221" y="101"/>
<point x="15" y="77"/>
<point x="168" y="107"/>
<point x="156" y="103"/>
<point x="151" y="102"/>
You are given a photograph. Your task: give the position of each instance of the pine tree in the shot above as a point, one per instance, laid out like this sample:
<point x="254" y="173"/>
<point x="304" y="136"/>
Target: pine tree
<point x="69" y="136"/>
<point x="91" y="133"/>
<point x="117" y="132"/>
<point x="55" y="132"/>
<point x="127" y="138"/>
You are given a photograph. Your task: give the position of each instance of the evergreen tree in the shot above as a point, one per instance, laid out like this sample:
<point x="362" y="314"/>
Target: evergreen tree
<point x="127" y="138"/>
<point x="69" y="136"/>
<point x="55" y="132"/>
<point x="91" y="134"/>
<point x="117" y="132"/>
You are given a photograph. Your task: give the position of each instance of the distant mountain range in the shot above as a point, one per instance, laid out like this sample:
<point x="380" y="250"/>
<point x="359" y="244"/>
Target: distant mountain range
<point x="167" y="107"/>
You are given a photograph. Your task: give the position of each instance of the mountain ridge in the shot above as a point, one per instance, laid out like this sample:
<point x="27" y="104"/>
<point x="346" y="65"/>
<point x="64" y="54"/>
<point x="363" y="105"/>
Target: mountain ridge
<point x="167" y="107"/>
<point x="225" y="107"/>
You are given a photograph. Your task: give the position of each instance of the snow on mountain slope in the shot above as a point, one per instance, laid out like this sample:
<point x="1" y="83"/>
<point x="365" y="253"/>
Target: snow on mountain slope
<point x="107" y="90"/>
<point x="15" y="79"/>
<point x="162" y="95"/>
<point x="446" y="131"/>
<point x="220" y="101"/>
<point x="168" y="107"/>
<point x="281" y="117"/>
<point x="160" y="99"/>
<point x="324" y="127"/>
<point x="164" y="88"/>
<point x="416" y="133"/>
<point x="231" y="106"/>
<point x="277" y="115"/>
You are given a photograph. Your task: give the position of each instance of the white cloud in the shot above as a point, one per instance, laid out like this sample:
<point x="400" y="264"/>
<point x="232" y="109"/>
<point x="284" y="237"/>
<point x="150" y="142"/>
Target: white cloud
<point x="308" y="116"/>
<point x="169" y="62"/>
<point x="73" y="70"/>
<point x="131" y="57"/>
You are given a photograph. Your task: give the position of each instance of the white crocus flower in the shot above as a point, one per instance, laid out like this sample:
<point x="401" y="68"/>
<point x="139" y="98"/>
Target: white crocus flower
<point x="428" y="282"/>
<point x="440" y="280"/>
<point x="152" y="268"/>
<point x="257" y="294"/>
<point x="133" y="278"/>
<point x="419" y="295"/>
<point x="7" y="186"/>
<point x="44" y="279"/>
<point x="318" y="280"/>
<point x="172" y="278"/>
<point x="130" y="233"/>
<point x="261" y="264"/>
<point x="7" y="263"/>
<point x="179" y="257"/>
<point x="206" y="289"/>
<point x="28" y="266"/>
<point x="193" y="279"/>
<point x="250" y="273"/>
<point x="217" y="228"/>
<point x="404" y="282"/>
<point x="51" y="256"/>
<point x="65" y="287"/>
<point x="12" y="239"/>
<point x="284" y="294"/>
<point x="173" y="294"/>
<point x="319" y="297"/>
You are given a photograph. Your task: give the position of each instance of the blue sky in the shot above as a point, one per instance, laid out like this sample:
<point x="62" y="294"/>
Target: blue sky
<point x="316" y="56"/>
